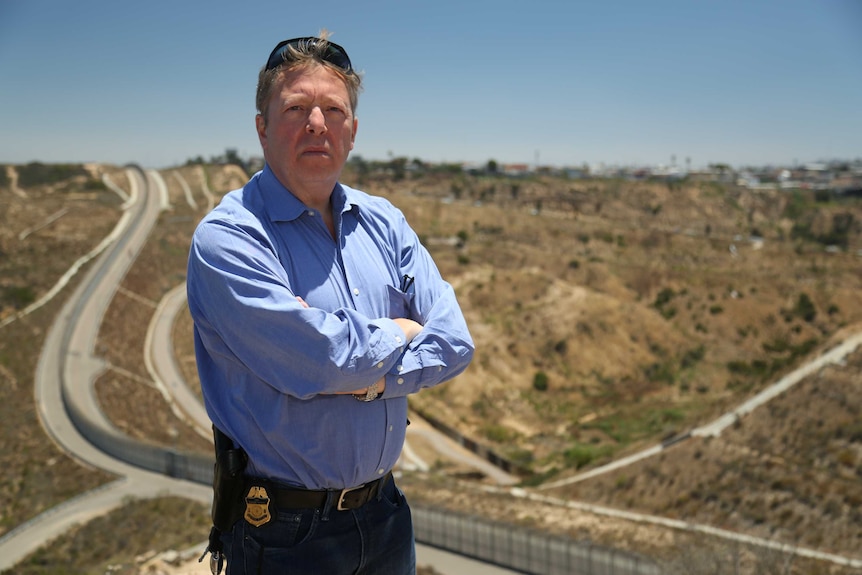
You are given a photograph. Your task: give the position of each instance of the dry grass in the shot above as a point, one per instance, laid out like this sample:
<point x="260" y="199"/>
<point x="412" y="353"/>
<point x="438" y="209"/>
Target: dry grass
<point x="626" y="296"/>
<point x="43" y="229"/>
<point x="121" y="541"/>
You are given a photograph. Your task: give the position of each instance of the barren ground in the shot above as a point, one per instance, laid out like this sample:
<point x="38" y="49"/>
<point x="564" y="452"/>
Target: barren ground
<point x="608" y="315"/>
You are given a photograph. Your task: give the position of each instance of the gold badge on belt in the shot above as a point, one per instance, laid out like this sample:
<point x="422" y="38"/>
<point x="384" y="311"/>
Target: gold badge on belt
<point x="257" y="506"/>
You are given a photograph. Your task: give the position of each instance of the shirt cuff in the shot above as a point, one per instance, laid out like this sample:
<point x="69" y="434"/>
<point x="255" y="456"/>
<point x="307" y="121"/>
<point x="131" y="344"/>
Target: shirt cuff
<point x="407" y="375"/>
<point x="395" y="332"/>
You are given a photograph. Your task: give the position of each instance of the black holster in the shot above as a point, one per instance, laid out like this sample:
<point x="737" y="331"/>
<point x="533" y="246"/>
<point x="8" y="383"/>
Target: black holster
<point x="228" y="505"/>
<point x="228" y="482"/>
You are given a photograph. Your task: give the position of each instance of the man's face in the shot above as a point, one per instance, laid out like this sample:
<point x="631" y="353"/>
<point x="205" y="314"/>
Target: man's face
<point x="308" y="128"/>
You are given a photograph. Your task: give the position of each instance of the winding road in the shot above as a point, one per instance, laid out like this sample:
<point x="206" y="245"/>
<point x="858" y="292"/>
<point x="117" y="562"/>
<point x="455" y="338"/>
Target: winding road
<point x="67" y="369"/>
<point x="66" y="401"/>
<point x="68" y="410"/>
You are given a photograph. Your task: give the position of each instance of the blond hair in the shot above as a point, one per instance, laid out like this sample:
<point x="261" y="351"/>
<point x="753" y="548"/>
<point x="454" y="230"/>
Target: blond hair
<point x="305" y="55"/>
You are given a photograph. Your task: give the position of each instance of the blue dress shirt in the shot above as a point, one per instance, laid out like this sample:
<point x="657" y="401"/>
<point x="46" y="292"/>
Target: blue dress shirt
<point x="267" y="363"/>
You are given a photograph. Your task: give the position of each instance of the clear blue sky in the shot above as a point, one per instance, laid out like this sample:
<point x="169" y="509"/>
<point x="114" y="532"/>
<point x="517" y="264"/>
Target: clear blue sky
<point x="745" y="82"/>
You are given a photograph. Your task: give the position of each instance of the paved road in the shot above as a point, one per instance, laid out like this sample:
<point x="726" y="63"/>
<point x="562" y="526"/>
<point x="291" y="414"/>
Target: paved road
<point x="68" y="368"/>
<point x="162" y="365"/>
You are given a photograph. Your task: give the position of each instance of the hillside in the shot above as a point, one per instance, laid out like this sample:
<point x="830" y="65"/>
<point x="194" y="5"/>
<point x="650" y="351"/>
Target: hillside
<point x="647" y="306"/>
<point x="608" y="315"/>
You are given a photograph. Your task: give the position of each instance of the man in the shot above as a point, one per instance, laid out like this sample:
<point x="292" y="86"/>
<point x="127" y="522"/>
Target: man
<point x="317" y="312"/>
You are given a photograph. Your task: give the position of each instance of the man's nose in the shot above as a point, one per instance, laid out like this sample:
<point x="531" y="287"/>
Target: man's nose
<point x="316" y="121"/>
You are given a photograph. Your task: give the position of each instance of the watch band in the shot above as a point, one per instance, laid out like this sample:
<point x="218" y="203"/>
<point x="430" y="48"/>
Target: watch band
<point x="369" y="395"/>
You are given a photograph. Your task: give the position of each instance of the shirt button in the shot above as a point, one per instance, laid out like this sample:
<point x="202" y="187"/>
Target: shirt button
<point x="380" y="365"/>
<point x="355" y="291"/>
<point x="381" y="471"/>
<point x="400" y="368"/>
<point x="390" y="428"/>
<point x="400" y="380"/>
<point x="398" y="339"/>
<point x="310" y="212"/>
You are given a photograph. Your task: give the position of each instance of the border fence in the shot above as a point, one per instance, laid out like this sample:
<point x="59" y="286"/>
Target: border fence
<point x="517" y="548"/>
<point x="489" y="455"/>
<point x="522" y="549"/>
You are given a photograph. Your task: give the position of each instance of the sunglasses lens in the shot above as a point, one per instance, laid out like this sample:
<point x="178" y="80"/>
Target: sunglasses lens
<point x="334" y="54"/>
<point x="337" y="56"/>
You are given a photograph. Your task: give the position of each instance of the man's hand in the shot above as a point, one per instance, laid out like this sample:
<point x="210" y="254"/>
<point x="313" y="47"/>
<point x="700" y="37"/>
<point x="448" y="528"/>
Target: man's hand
<point x="411" y="328"/>
<point x="381" y="385"/>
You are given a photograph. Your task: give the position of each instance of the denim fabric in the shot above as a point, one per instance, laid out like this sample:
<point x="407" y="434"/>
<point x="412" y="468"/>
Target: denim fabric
<point x="376" y="539"/>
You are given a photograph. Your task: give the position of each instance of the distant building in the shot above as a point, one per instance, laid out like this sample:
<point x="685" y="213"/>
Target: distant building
<point x="516" y="170"/>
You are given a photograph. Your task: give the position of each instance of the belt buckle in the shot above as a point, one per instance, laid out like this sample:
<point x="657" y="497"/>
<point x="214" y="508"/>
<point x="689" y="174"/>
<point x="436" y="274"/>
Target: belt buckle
<point x="344" y="492"/>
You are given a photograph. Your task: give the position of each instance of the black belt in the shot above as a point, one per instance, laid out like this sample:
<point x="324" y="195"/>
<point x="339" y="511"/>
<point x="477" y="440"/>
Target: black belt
<point x="297" y="498"/>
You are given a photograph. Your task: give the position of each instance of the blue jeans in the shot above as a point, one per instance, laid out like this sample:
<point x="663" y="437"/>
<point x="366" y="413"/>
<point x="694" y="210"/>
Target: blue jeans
<point x="376" y="539"/>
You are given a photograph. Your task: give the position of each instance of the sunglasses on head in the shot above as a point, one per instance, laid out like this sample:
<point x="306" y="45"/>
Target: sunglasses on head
<point x="332" y="53"/>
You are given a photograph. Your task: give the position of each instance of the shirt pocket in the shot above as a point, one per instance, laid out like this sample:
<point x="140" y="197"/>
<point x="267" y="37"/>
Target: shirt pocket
<point x="399" y="303"/>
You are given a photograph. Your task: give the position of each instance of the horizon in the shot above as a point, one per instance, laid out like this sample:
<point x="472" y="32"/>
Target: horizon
<point x="824" y="163"/>
<point x="767" y="82"/>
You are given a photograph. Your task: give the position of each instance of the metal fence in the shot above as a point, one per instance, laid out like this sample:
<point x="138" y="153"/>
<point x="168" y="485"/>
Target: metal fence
<point x="180" y="465"/>
<point x="516" y="548"/>
<point x="482" y="451"/>
<point x="522" y="549"/>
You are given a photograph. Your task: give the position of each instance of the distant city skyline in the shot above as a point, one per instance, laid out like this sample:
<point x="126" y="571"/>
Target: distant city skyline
<point x="744" y="83"/>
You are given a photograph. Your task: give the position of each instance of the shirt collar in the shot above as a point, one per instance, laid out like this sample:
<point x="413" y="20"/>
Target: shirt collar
<point x="282" y="206"/>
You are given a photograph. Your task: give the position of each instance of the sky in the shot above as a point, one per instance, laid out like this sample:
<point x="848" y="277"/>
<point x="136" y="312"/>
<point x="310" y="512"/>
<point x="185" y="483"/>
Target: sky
<point x="550" y="82"/>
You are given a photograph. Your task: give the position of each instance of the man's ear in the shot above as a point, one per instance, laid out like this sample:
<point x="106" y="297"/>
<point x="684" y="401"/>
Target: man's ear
<point x="353" y="136"/>
<point x="260" y="126"/>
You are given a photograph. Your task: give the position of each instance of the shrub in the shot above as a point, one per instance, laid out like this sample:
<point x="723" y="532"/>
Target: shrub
<point x="663" y="297"/>
<point x="463" y="236"/>
<point x="18" y="296"/>
<point x="805" y="308"/>
<point x="498" y="433"/>
<point x="95" y="185"/>
<point x="37" y="173"/>
<point x="662" y="372"/>
<point x="692" y="356"/>
<point x="581" y="455"/>
<point x="540" y="381"/>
